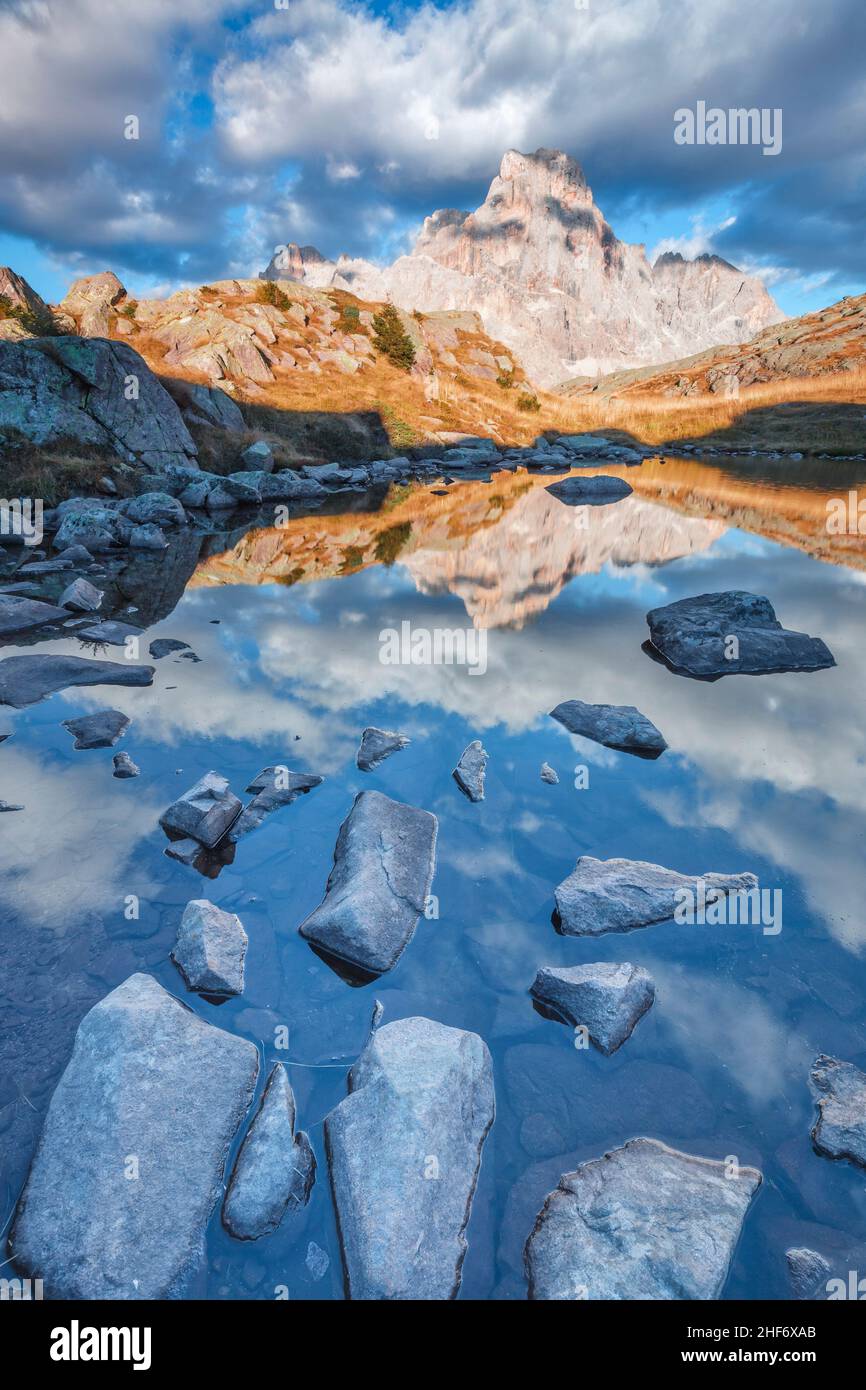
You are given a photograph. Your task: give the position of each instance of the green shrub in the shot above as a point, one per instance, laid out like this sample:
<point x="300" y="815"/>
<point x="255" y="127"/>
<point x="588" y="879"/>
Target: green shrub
<point x="390" y="542"/>
<point x="390" y="337"/>
<point x="268" y="292"/>
<point x="531" y="404"/>
<point x="130" y="309"/>
<point x="505" y="380"/>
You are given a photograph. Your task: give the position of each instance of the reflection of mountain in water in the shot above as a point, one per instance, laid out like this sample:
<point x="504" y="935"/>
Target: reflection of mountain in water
<point x="506" y="547"/>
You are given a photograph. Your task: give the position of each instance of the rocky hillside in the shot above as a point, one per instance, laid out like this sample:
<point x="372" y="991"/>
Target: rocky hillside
<point x="826" y="343"/>
<point x="550" y="279"/>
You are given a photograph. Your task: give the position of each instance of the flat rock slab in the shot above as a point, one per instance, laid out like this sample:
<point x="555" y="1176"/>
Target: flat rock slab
<point x="26" y="679"/>
<point x="469" y="772"/>
<point x="605" y="998"/>
<point x="204" y="813"/>
<point x="99" y="730"/>
<point x="643" y="1222"/>
<point x="693" y="637"/>
<point x="840" y="1092"/>
<point x="376" y="746"/>
<point x="616" y="726"/>
<point x="404" y="1150"/>
<point x="384" y="861"/>
<point x="275" y="1169"/>
<point x="147" y="1081"/>
<point x="596" y="490"/>
<point x="602" y="895"/>
<point x="274" y="787"/>
<point x="162" y="646"/>
<point x="112" y="634"/>
<point x="81" y="596"/>
<point x="19" y="614"/>
<point x="210" y="949"/>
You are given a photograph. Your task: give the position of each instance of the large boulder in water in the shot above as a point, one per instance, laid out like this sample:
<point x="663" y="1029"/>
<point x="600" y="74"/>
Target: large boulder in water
<point x="602" y="895"/>
<point x="275" y="1169"/>
<point x="840" y="1092"/>
<point x="130" y="1162"/>
<point x="643" y="1222"/>
<point x="616" y="726"/>
<point x="404" y="1149"/>
<point x="726" y="634"/>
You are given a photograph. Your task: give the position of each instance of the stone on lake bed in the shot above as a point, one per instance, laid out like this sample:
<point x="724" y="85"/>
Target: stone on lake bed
<point x="548" y="774"/>
<point x="384" y="861"/>
<point x="840" y="1092"/>
<point x="643" y="1222"/>
<point x="730" y="633"/>
<point x="204" y="813"/>
<point x="26" y="679"/>
<point x="82" y="596"/>
<point x="602" y="895"/>
<point x="376" y="746"/>
<point x="469" y="772"/>
<point x="317" y="1261"/>
<point x="404" y="1149"/>
<point x="99" y="730"/>
<point x="151" y="1081"/>
<point x="605" y="998"/>
<point x="593" y="490"/>
<point x="275" y="1168"/>
<point x="162" y="646"/>
<point x="19" y="614"/>
<point x="124" y="766"/>
<point x="622" y="727"/>
<point x="210" y="949"/>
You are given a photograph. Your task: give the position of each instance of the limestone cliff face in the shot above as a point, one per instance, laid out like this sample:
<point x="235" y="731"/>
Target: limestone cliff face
<point x="551" y="280"/>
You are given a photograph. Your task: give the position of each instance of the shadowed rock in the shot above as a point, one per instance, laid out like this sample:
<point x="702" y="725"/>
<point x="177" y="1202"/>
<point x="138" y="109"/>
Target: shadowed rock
<point x="469" y="772"/>
<point x="714" y="635"/>
<point x="210" y="949"/>
<point x="596" y="490"/>
<point x="151" y="1091"/>
<point x="26" y="679"/>
<point x="275" y="1169"/>
<point x="616" y="726"/>
<point x="124" y="766"/>
<point x="99" y="730"/>
<point x="112" y="634"/>
<point x="839" y="1089"/>
<point x="603" y="895"/>
<point x="383" y="868"/>
<point x="19" y="614"/>
<point x="606" y="999"/>
<point x="404" y="1150"/>
<point x="808" y="1271"/>
<point x="162" y="646"/>
<point x="643" y="1222"/>
<point x="81" y="596"/>
<point x="376" y="746"/>
<point x="204" y="813"/>
<point x="274" y="787"/>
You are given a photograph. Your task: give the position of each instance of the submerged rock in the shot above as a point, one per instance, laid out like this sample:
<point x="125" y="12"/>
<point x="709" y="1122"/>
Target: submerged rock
<point x="130" y="1163"/>
<point x="469" y="772"/>
<point x="162" y="646"/>
<point x="383" y="868"/>
<point x="99" y="730"/>
<point x="808" y="1271"/>
<point x="317" y="1261"/>
<point x="82" y="596"/>
<point x="714" y="635"/>
<point x="602" y="895"/>
<point x="19" y="614"/>
<point x="124" y="766"/>
<point x="26" y="679"/>
<point x="376" y="746"/>
<point x="616" y="726"/>
<point x="274" y="787"/>
<point x="840" y="1092"/>
<point x="404" y="1149"/>
<point x="210" y="949"/>
<point x="204" y="813"/>
<point x="275" y="1169"/>
<point x="605" y="998"/>
<point x="594" y="490"/>
<point x="643" y="1222"/>
<point x="549" y="775"/>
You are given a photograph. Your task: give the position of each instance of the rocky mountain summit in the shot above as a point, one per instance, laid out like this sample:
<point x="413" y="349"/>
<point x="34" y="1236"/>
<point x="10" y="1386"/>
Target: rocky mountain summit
<point x="550" y="279"/>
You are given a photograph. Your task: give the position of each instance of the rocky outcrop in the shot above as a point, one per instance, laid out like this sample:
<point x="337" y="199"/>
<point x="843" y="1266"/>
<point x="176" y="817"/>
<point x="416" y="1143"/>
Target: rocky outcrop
<point x="90" y="302"/>
<point x="733" y="633"/>
<point x="383" y="869"/>
<point x="606" y="999"/>
<point x="602" y="895"/>
<point x="616" y="726"/>
<point x="404" y="1149"/>
<point x="839" y="1089"/>
<point x="275" y="1169"/>
<point x="643" y="1222"/>
<point x="130" y="1162"/>
<point x="90" y="392"/>
<point x="377" y="745"/>
<point x="26" y="679"/>
<point x="210" y="949"/>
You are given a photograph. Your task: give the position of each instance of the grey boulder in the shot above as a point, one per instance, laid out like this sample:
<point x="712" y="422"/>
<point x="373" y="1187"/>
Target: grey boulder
<point x="130" y="1162"/>
<point x="258" y="457"/>
<point x="204" y="813"/>
<point x="643" y="1222"/>
<point x="210" y="949"/>
<point x="25" y="614"/>
<point x="274" y="787"/>
<point x="124" y="766"/>
<point x="616" y="726"/>
<point x="163" y="646"/>
<point x="549" y="775"/>
<point x="602" y="895"/>
<point x="275" y="1169"/>
<point x="110" y="633"/>
<point x="376" y="746"/>
<point x="469" y="772"/>
<point x="839" y="1089"/>
<point x="605" y="998"/>
<point x="808" y="1271"/>
<point x="81" y="596"/>
<point x="157" y="508"/>
<point x="26" y="679"/>
<point x="693" y="637"/>
<point x="595" y="490"/>
<point x="99" y="730"/>
<point x="404" y="1150"/>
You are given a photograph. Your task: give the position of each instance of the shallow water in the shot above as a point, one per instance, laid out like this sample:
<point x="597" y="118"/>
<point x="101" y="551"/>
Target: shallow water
<point x="766" y="774"/>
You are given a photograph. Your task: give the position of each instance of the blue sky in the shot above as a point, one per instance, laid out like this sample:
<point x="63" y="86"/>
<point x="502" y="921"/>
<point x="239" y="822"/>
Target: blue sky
<point x="343" y="124"/>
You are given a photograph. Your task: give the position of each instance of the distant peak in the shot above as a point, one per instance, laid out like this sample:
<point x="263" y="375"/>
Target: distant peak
<point x="555" y="162"/>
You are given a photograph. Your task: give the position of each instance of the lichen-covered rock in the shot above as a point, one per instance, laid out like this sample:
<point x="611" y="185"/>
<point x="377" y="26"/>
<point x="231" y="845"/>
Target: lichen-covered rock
<point x="602" y="895"/>
<point x="404" y="1150"/>
<point x="275" y="1168"/>
<point x="606" y="998"/>
<point x="204" y="813"/>
<point x="377" y="745"/>
<point x="840" y="1093"/>
<point x="714" y="635"/>
<point x="616" y="726"/>
<point x="643" y="1222"/>
<point x="158" y="508"/>
<point x="130" y="1162"/>
<point x="469" y="772"/>
<point x="210" y="949"/>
